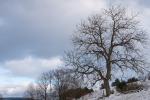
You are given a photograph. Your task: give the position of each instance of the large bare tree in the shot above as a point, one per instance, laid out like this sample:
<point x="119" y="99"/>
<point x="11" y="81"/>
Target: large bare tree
<point x="106" y="42"/>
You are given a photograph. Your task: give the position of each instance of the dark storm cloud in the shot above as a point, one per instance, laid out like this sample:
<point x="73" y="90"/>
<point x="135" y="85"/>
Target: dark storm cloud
<point x="39" y="28"/>
<point x="29" y="28"/>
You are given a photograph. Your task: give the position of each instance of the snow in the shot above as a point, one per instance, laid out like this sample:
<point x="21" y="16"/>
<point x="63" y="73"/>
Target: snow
<point x="141" y="95"/>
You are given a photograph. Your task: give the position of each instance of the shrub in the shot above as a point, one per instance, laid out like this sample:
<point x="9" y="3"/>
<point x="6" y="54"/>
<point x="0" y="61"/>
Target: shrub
<point x="76" y="93"/>
<point x="129" y="86"/>
<point x="133" y="79"/>
<point x="121" y="86"/>
<point x="117" y="81"/>
<point x="126" y="86"/>
<point x="134" y="86"/>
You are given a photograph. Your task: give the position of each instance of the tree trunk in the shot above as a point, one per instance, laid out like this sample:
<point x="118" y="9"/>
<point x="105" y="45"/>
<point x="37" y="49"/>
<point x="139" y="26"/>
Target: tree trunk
<point x="107" y="87"/>
<point x="45" y="98"/>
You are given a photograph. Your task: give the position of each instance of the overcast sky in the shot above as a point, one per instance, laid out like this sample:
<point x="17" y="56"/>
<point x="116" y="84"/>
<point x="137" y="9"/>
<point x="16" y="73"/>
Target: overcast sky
<point x="35" y="33"/>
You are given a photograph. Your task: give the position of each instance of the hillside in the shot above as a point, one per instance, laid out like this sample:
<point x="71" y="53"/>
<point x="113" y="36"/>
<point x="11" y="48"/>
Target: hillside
<point x="139" y="95"/>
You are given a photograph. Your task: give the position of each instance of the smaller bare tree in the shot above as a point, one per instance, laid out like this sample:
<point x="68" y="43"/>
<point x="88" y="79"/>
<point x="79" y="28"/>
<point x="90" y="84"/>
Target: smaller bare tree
<point x="30" y="92"/>
<point x="64" y="80"/>
<point x="50" y="79"/>
<point x="43" y="83"/>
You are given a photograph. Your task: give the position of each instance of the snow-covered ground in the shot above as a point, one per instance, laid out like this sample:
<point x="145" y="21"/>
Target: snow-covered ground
<point x="141" y="95"/>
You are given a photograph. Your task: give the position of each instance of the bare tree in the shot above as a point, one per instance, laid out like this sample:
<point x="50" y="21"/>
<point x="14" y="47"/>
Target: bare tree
<point x="107" y="42"/>
<point x="43" y="83"/>
<point x="64" y="80"/>
<point x="30" y="92"/>
<point x="50" y="79"/>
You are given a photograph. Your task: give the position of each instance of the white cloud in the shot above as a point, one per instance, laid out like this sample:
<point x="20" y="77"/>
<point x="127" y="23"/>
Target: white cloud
<point x="18" y="73"/>
<point x="13" y="90"/>
<point x="31" y="66"/>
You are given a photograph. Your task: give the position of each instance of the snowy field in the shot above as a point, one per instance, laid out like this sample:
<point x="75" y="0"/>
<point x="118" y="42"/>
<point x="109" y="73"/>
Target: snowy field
<point x="141" y="95"/>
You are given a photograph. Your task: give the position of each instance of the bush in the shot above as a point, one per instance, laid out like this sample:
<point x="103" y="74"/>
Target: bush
<point x="117" y="81"/>
<point x="76" y="93"/>
<point x="133" y="79"/>
<point x="121" y="86"/>
<point x="130" y="85"/>
<point x="134" y="86"/>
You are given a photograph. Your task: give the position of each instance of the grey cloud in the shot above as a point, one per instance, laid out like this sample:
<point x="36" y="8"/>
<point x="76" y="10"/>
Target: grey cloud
<point x="24" y="32"/>
<point x="40" y="28"/>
